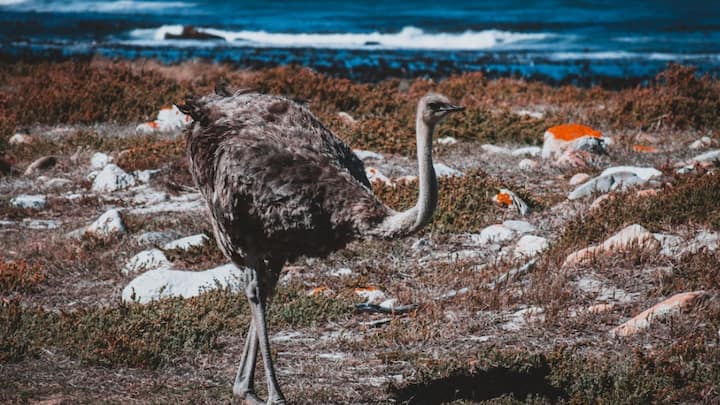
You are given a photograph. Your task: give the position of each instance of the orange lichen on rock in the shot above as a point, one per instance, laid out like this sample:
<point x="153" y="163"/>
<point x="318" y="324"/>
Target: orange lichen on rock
<point x="503" y="199"/>
<point x="571" y="132"/>
<point x="644" y="149"/>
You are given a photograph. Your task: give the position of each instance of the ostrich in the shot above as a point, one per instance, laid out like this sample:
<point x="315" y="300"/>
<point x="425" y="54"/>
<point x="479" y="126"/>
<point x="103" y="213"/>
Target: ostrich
<point x="279" y="185"/>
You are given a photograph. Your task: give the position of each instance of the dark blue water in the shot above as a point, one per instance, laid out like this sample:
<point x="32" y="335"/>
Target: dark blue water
<point x="558" y="40"/>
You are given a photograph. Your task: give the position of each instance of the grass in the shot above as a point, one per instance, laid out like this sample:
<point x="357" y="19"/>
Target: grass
<point x="465" y="203"/>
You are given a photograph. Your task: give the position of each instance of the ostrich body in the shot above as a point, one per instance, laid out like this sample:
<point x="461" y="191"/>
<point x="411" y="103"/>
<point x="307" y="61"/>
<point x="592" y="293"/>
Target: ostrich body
<point x="279" y="185"/>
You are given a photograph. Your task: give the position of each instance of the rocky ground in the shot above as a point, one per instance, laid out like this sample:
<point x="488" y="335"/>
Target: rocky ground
<point x="577" y="269"/>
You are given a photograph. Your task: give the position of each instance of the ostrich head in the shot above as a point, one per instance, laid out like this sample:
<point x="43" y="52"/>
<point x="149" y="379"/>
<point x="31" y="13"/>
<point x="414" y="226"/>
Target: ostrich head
<point x="434" y="107"/>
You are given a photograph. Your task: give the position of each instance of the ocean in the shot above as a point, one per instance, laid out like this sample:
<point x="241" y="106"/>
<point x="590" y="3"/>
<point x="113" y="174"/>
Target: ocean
<point x="562" y="41"/>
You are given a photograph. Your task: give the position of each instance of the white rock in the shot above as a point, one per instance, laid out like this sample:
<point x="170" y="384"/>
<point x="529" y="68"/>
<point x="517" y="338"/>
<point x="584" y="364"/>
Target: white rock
<point x="703" y="142"/>
<point x="169" y="119"/>
<point x="366" y="154"/>
<point x="146" y="260"/>
<point x="57" y="183"/>
<point x="533" y="151"/>
<point x="166" y="283"/>
<point x="710" y="156"/>
<point x="579" y="179"/>
<point x="493" y="234"/>
<point x="670" y="245"/>
<point x="389" y="303"/>
<point x="374" y="175"/>
<point x="447" y="140"/>
<point x="34" y="201"/>
<point x="112" y="178"/>
<point x="341" y="272"/>
<point x="152" y="238"/>
<point x="705" y="240"/>
<point x="108" y="224"/>
<point x="645" y="173"/>
<point x="442" y="170"/>
<point x="488" y="148"/>
<point x="187" y="242"/>
<point x="603" y="184"/>
<point x="371" y="295"/>
<point x="144" y="176"/>
<point x="521" y="227"/>
<point x="99" y="160"/>
<point x="20" y="139"/>
<point x="40" y="224"/>
<point x="149" y="196"/>
<point x="527" y="165"/>
<point x="530" y="245"/>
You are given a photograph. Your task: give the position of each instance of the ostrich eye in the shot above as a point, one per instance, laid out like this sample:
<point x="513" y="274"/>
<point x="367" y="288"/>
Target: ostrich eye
<point x="435" y="106"/>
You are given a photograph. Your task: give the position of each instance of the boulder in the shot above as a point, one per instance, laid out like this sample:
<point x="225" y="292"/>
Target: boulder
<point x="561" y="138"/>
<point x="605" y="183"/>
<point x="579" y="178"/>
<point x="190" y="32"/>
<point x="497" y="233"/>
<point x="168" y="283"/>
<point x="664" y="309"/>
<point x="628" y="237"/>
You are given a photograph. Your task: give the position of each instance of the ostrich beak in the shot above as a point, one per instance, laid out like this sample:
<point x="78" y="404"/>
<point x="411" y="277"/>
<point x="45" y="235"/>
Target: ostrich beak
<point x="452" y="108"/>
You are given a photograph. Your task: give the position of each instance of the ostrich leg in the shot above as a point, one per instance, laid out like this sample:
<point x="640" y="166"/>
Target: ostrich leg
<point x="244" y="386"/>
<point x="256" y="298"/>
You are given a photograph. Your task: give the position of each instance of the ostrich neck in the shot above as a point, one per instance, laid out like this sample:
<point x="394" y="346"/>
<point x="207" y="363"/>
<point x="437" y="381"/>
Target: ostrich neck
<point x="428" y="196"/>
<point x="412" y="220"/>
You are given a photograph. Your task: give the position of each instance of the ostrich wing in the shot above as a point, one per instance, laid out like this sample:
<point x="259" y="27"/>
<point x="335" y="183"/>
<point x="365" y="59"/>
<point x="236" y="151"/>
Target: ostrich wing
<point x="287" y="199"/>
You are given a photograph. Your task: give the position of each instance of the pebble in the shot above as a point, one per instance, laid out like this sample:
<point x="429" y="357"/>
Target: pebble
<point x="662" y="310"/>
<point x="34" y="201"/>
<point x="112" y="178"/>
<point x="168" y="283"/>
<point x="447" y="140"/>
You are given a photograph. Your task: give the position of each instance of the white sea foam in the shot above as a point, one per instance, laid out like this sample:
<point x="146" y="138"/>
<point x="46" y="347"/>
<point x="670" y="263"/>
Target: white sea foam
<point x="117" y="6"/>
<point x="407" y="38"/>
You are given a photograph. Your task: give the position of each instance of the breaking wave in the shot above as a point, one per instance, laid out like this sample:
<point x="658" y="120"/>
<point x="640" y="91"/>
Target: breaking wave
<point x="407" y="38"/>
